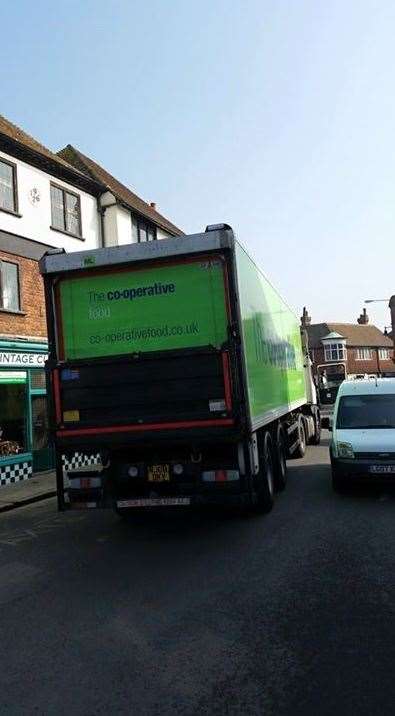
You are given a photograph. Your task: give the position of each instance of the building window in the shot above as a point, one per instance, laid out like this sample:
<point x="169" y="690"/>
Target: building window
<point x="384" y="354"/>
<point x="364" y="354"/>
<point x="8" y="192"/>
<point x="66" y="211"/>
<point x="142" y="231"/>
<point x="9" y="286"/>
<point x="335" y="351"/>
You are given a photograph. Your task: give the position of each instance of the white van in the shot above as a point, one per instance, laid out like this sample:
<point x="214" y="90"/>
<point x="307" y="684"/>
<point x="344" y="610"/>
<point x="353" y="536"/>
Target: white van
<point x="363" y="432"/>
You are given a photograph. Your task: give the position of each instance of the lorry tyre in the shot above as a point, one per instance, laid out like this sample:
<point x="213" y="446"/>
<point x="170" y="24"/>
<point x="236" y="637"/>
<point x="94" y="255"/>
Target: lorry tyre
<point x="316" y="439"/>
<point x="264" y="480"/>
<point x="301" y="449"/>
<point x="280" y="460"/>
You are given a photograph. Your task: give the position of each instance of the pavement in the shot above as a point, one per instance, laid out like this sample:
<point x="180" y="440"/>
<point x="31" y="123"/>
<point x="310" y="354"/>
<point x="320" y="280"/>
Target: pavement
<point x="40" y="487"/>
<point x="288" y="614"/>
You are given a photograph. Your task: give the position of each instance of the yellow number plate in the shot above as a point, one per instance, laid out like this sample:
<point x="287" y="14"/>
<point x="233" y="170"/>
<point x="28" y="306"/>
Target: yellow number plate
<point x="159" y="473"/>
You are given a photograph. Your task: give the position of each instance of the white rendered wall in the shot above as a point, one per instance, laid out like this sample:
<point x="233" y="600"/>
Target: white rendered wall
<point x="124" y="226"/>
<point x="111" y="226"/>
<point x="160" y="234"/>
<point x="35" y="220"/>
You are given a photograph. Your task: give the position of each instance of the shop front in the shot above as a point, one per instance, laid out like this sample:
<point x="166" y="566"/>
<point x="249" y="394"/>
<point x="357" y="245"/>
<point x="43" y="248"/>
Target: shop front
<point x="24" y="447"/>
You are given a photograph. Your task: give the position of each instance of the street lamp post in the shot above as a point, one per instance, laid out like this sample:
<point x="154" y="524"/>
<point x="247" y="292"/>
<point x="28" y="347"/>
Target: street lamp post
<point x="391" y="306"/>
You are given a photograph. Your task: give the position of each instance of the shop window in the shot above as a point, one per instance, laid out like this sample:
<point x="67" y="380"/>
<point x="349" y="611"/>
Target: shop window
<point x="66" y="211"/>
<point x="9" y="286"/>
<point x="8" y="187"/>
<point x="142" y="231"/>
<point x="12" y="416"/>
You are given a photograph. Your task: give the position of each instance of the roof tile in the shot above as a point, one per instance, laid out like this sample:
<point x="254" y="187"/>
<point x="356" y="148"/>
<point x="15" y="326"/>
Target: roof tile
<point x="125" y="195"/>
<point x="11" y="130"/>
<point x="357" y="335"/>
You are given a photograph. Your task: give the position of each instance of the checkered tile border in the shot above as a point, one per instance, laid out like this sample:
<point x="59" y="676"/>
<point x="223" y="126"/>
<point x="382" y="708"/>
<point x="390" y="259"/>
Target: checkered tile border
<point x="79" y="460"/>
<point x="15" y="473"/>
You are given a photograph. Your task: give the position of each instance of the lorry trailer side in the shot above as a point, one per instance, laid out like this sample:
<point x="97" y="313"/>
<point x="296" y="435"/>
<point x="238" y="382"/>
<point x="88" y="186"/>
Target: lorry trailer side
<point x="178" y="364"/>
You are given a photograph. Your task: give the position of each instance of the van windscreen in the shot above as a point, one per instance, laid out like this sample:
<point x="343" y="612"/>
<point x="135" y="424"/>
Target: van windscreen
<point x="366" y="411"/>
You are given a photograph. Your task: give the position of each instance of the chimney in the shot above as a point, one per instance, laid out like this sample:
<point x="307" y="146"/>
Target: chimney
<point x="363" y="320"/>
<point x="152" y="205"/>
<point x="306" y="319"/>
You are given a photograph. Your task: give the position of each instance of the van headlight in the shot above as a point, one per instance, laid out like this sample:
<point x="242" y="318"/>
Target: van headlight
<point x="345" y="450"/>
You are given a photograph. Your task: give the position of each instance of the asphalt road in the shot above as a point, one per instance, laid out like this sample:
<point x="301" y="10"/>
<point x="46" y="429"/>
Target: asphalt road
<point x="292" y="613"/>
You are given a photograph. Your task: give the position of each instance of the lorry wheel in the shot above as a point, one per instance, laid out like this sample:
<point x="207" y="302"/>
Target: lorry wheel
<point x="264" y="481"/>
<point x="316" y="439"/>
<point x="301" y="449"/>
<point x="280" y="460"/>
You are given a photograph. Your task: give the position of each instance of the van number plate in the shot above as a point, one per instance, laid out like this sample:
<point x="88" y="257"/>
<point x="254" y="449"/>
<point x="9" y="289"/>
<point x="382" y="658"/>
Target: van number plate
<point x="383" y="469"/>
<point x="159" y="473"/>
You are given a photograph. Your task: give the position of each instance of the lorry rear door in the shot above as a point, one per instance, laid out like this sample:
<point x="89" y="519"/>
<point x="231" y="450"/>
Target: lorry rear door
<point x="144" y="347"/>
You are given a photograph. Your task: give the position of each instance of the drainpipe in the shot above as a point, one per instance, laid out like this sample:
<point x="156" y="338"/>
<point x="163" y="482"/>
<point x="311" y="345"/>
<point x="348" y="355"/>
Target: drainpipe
<point x="100" y="211"/>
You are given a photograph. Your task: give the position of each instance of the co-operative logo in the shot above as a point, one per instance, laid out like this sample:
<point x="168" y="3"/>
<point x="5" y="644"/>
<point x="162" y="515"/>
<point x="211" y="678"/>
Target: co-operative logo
<point x="157" y="289"/>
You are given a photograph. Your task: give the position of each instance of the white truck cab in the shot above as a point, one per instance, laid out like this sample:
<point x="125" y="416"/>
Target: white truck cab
<point x="363" y="432"/>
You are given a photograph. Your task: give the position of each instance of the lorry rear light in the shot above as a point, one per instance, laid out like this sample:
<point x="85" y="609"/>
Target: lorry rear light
<point x="133" y="471"/>
<point x="220" y="475"/>
<point x="178" y="469"/>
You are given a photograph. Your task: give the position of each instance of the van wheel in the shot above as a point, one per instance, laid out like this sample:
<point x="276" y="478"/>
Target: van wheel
<point x="264" y="481"/>
<point x="280" y="460"/>
<point x="301" y="449"/>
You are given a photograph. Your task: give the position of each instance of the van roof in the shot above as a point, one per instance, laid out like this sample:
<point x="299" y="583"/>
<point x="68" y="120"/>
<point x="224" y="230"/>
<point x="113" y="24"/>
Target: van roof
<point x="367" y="386"/>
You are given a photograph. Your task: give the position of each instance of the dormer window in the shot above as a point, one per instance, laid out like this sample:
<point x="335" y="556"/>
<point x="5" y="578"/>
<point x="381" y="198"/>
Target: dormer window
<point x="334" y="347"/>
<point x="335" y="351"/>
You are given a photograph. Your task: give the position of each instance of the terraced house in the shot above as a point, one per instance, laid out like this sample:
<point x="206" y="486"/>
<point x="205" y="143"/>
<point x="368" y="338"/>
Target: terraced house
<point x="352" y="350"/>
<point x="48" y="200"/>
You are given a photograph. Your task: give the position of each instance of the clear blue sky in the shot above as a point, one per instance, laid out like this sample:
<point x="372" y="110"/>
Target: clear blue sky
<point x="277" y="117"/>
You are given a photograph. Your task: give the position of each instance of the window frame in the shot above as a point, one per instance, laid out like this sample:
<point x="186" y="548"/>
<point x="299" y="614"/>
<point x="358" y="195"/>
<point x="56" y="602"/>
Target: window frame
<point x="340" y="349"/>
<point x="78" y="197"/>
<point x="146" y="225"/>
<point x="18" y="280"/>
<point x="14" y="167"/>
<point x="386" y="351"/>
<point x="363" y="350"/>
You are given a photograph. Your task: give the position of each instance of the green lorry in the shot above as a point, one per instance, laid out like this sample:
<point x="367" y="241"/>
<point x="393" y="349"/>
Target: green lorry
<point x="179" y="366"/>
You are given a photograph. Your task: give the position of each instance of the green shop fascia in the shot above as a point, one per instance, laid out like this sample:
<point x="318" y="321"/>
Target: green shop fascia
<point x="24" y="447"/>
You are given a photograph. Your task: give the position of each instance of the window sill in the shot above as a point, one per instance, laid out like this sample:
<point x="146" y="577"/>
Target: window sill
<point x="11" y="212"/>
<point x="14" y="313"/>
<point x="67" y="233"/>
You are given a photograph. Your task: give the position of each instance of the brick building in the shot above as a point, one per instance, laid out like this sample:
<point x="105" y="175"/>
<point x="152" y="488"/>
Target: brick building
<point x="48" y="200"/>
<point x="351" y="349"/>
